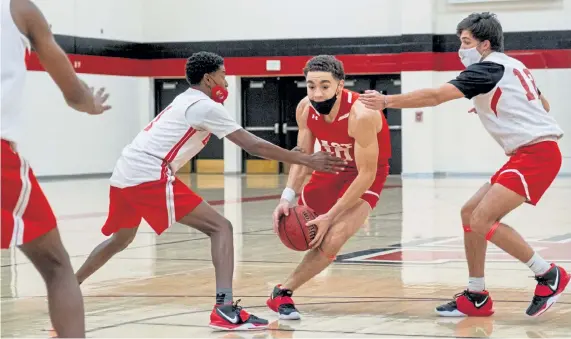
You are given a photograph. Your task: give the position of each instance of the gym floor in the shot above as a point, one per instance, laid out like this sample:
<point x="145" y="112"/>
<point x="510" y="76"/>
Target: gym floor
<point x="386" y="281"/>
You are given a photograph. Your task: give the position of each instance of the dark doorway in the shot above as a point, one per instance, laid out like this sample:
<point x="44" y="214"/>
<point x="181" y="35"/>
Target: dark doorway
<point x="268" y="109"/>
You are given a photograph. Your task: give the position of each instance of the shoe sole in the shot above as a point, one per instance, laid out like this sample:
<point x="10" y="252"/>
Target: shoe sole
<point x="458" y="314"/>
<point x="291" y="316"/>
<point x="552" y="300"/>
<point x="243" y="327"/>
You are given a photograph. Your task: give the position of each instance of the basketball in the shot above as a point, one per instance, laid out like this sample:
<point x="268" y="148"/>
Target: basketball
<point x="293" y="230"/>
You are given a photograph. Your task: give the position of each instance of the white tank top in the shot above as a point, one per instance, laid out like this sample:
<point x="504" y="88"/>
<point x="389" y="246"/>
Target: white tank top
<point x="174" y="137"/>
<point x="13" y="65"/>
<point x="512" y="112"/>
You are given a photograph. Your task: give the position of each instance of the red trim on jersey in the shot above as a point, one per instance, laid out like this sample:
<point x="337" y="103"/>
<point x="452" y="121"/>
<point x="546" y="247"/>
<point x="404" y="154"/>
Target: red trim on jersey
<point x="173" y="152"/>
<point x="495" y="99"/>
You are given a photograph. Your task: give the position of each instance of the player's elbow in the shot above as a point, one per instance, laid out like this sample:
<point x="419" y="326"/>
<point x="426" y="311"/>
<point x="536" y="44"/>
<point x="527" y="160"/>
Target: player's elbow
<point x="437" y="98"/>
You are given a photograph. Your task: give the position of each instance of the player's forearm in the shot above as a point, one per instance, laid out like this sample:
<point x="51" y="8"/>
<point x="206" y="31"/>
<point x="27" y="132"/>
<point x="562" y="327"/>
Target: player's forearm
<point x="296" y="177"/>
<point x="421" y="98"/>
<point x="267" y="150"/>
<point x="81" y="99"/>
<point x="358" y="187"/>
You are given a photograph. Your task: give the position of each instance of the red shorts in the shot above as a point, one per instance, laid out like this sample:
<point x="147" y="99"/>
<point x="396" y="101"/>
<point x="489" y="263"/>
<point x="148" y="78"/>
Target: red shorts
<point x="161" y="203"/>
<point x="323" y="190"/>
<point x="26" y="213"/>
<point x="531" y="170"/>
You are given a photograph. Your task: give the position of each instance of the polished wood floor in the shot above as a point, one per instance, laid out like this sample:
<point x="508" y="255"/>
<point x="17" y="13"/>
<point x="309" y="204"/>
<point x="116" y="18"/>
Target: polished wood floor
<point x="386" y="281"/>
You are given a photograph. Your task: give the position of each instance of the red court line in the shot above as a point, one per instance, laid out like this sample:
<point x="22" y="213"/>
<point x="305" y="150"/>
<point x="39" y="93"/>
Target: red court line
<point x="211" y="202"/>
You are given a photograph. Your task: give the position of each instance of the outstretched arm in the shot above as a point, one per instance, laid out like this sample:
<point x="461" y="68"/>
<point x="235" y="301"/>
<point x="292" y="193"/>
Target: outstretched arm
<point x="477" y="79"/>
<point x="77" y="94"/>
<point x="263" y="149"/>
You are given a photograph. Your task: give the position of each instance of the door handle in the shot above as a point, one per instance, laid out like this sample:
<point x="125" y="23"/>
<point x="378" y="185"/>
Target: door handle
<point x="277" y="128"/>
<point x="284" y="128"/>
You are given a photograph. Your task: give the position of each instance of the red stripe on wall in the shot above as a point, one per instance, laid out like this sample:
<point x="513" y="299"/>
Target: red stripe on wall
<point x="293" y="65"/>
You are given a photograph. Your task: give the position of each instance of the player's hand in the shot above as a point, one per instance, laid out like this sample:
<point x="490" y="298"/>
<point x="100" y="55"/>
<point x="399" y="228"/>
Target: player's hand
<point x="282" y="209"/>
<point x="373" y="100"/>
<point x="99" y="100"/>
<point x="323" y="223"/>
<point x="326" y="162"/>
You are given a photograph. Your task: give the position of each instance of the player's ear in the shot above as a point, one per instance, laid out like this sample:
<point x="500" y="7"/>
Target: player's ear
<point x="340" y="86"/>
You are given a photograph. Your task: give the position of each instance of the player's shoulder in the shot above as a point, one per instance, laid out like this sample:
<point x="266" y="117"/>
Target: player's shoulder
<point x="486" y="68"/>
<point x="302" y="109"/>
<point x="361" y="114"/>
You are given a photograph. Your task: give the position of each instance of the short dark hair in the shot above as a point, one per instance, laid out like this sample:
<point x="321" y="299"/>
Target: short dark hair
<point x="325" y="63"/>
<point x="484" y="26"/>
<point x="201" y="63"/>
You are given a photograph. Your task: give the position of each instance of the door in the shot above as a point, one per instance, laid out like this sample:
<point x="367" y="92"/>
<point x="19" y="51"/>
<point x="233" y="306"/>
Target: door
<point x="293" y="89"/>
<point x="392" y="85"/>
<point x="261" y="117"/>
<point x="211" y="158"/>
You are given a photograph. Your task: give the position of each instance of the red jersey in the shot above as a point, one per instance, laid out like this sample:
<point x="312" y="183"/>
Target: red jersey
<point x="334" y="137"/>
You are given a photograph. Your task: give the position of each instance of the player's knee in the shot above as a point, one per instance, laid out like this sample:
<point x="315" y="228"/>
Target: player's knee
<point x="121" y="241"/>
<point x="223" y="226"/>
<point x="53" y="264"/>
<point x="480" y="222"/>
<point x="332" y="243"/>
<point x="466" y="213"/>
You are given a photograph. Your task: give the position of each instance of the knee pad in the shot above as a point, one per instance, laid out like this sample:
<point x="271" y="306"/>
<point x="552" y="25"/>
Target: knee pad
<point x="467" y="228"/>
<point x="492" y="230"/>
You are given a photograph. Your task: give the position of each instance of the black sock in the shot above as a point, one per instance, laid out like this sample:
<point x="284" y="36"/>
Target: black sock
<point x="223" y="296"/>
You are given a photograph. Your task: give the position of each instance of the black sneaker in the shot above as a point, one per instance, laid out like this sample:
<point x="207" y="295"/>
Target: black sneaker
<point x="280" y="301"/>
<point x="231" y="317"/>
<point x="549" y="287"/>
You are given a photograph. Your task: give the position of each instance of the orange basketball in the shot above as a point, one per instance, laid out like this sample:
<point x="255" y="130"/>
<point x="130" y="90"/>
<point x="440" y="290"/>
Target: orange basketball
<point x="293" y="230"/>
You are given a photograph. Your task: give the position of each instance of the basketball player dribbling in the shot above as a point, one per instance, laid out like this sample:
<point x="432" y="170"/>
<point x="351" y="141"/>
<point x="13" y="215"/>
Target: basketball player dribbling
<point x="344" y="126"/>
<point x="28" y="221"/>
<point x="515" y="113"/>
<point x="144" y="186"/>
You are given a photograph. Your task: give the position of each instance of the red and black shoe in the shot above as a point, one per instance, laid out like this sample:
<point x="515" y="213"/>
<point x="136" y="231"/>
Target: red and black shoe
<point x="468" y="304"/>
<point x="549" y="287"/>
<point x="231" y="317"/>
<point x="280" y="301"/>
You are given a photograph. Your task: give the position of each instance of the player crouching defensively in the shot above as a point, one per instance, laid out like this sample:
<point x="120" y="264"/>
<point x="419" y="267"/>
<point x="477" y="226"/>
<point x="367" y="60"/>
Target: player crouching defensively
<point x="516" y="114"/>
<point x="342" y="125"/>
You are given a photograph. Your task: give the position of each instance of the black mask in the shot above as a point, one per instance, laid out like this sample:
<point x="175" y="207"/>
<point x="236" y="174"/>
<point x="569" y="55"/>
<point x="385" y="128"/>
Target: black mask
<point x="324" y="107"/>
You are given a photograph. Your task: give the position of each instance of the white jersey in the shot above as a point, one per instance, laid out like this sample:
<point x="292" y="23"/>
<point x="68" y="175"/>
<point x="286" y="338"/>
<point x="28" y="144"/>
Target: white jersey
<point x="174" y="137"/>
<point x="13" y="67"/>
<point x="506" y="99"/>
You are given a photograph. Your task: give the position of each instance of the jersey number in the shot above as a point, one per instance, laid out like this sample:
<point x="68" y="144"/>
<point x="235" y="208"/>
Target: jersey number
<point x="150" y="125"/>
<point x="528" y="93"/>
<point x="530" y="96"/>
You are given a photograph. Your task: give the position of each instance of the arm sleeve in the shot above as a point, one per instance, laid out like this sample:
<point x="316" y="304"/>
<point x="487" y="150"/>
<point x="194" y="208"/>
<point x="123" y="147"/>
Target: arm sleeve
<point x="212" y="117"/>
<point x="478" y="78"/>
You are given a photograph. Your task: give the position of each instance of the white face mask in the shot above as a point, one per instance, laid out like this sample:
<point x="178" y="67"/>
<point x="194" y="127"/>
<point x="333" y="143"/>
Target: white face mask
<point x="469" y="56"/>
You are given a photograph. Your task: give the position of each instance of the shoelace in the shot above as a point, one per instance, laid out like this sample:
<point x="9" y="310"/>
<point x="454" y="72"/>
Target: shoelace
<point x="457" y="295"/>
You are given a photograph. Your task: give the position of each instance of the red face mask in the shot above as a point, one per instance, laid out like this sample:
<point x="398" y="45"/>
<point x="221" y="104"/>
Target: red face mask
<point x="219" y="94"/>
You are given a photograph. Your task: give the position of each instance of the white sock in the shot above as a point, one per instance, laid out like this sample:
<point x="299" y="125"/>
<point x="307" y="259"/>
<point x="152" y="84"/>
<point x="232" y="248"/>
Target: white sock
<point x="476" y="284"/>
<point x="538" y="265"/>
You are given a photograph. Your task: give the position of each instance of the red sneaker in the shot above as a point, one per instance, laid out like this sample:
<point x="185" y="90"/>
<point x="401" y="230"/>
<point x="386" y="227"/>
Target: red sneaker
<point x="468" y="304"/>
<point x="231" y="317"/>
<point x="549" y="287"/>
<point x="280" y="301"/>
